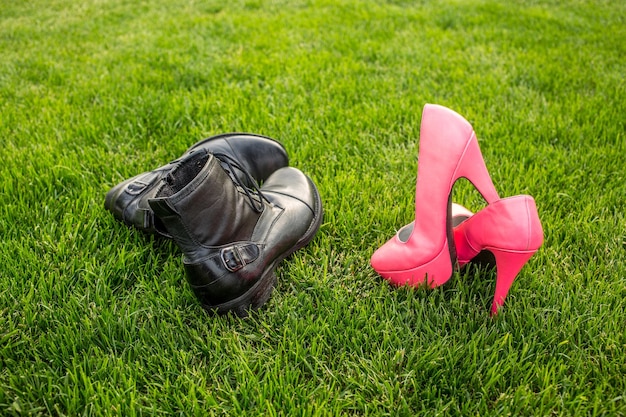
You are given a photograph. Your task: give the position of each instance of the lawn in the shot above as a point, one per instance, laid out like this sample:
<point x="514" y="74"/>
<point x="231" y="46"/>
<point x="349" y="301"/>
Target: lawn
<point x="97" y="318"/>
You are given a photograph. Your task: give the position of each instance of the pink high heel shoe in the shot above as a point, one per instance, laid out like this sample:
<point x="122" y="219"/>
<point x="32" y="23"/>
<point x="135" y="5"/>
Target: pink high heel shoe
<point x="511" y="230"/>
<point x="448" y="151"/>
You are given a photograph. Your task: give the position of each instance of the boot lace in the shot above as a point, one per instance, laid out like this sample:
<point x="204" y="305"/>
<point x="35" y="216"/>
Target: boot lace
<point x="233" y="167"/>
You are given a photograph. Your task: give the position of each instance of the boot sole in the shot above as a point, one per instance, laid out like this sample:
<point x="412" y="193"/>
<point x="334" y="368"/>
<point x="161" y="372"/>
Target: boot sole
<point x="258" y="295"/>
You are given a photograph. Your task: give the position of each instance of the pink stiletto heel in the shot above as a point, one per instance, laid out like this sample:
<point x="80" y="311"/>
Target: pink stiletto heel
<point x="448" y="151"/>
<point x="510" y="229"/>
<point x="508" y="265"/>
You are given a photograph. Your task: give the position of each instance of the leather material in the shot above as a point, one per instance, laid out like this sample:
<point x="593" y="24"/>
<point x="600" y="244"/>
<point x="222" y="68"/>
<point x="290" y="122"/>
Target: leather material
<point x="510" y="224"/>
<point x="257" y="155"/>
<point x="459" y="215"/>
<point x="511" y="231"/>
<point x="484" y="258"/>
<point x="232" y="240"/>
<point x="448" y="150"/>
<point x="504" y="235"/>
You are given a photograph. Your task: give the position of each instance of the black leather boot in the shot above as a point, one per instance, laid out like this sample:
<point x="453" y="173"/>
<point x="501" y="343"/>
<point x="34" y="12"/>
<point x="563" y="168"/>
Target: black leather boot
<point x="260" y="156"/>
<point x="233" y="236"/>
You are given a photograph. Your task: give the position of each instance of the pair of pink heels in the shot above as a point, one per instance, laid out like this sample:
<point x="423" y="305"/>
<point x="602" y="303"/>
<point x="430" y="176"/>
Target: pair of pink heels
<point x="427" y="250"/>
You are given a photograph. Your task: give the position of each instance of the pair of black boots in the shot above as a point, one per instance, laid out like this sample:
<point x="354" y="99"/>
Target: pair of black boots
<point x="232" y="231"/>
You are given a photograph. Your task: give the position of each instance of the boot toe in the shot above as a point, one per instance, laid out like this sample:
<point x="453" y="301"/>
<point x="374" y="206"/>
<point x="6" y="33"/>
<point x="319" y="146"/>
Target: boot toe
<point x="291" y="183"/>
<point x="298" y="196"/>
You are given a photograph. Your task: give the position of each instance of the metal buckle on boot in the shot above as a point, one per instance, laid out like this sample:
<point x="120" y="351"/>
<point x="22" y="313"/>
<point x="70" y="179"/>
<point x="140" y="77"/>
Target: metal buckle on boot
<point x="231" y="259"/>
<point x="236" y="257"/>
<point x="136" y="187"/>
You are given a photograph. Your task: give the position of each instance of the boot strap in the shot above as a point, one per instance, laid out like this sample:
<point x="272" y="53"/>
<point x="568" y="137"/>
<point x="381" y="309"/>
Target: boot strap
<point x="204" y="272"/>
<point x="236" y="257"/>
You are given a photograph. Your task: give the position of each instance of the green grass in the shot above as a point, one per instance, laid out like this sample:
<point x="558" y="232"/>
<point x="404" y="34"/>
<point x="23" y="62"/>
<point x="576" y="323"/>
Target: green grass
<point x="97" y="319"/>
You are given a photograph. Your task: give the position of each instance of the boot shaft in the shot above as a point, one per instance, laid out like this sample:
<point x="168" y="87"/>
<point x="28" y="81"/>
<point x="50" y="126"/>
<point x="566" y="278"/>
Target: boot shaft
<point x="201" y="205"/>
